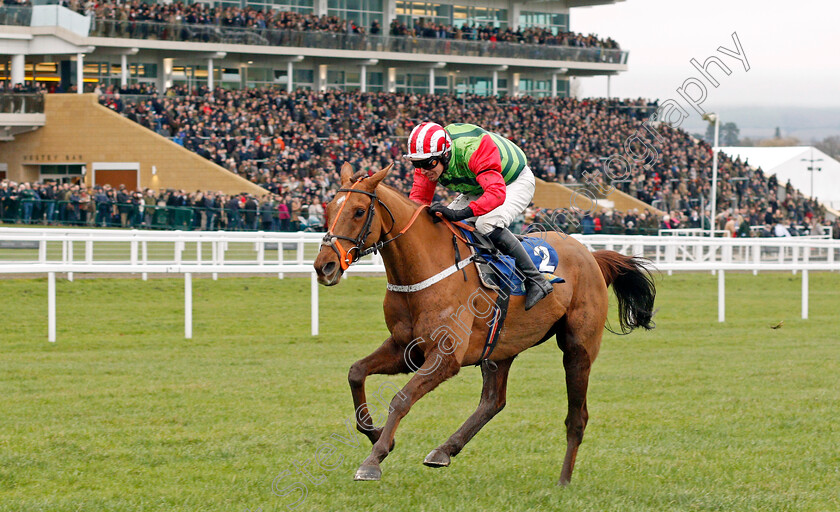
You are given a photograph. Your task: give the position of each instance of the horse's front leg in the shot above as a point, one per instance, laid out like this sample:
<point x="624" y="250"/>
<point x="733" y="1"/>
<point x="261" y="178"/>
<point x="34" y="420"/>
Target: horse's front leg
<point x="387" y="360"/>
<point x="438" y="367"/>
<point x="493" y="398"/>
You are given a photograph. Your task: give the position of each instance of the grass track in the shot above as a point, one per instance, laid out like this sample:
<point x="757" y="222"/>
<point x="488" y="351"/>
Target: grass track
<point x="123" y="414"/>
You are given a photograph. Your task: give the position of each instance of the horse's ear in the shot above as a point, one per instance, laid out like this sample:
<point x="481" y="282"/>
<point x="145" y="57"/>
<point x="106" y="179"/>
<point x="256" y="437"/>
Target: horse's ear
<point x="346" y="173"/>
<point x="376" y="178"/>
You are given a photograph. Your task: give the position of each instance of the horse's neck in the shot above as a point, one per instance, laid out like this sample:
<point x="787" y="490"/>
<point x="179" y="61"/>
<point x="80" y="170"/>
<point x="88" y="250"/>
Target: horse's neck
<point x="417" y="254"/>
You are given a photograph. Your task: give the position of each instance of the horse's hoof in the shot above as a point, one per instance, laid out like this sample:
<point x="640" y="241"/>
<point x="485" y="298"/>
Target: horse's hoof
<point x="563" y="482"/>
<point x="365" y="473"/>
<point x="437" y="459"/>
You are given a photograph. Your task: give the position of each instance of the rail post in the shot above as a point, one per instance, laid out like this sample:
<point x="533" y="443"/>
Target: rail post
<point x="300" y="251"/>
<point x="805" y="294"/>
<point x="314" y="308"/>
<point x="280" y="257"/>
<point x="144" y="246"/>
<point x="70" y="259"/>
<point x="215" y="249"/>
<point x="51" y="307"/>
<point x="188" y="306"/>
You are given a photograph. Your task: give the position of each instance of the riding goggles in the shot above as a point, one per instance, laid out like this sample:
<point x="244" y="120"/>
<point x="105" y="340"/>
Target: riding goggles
<point x="426" y="164"/>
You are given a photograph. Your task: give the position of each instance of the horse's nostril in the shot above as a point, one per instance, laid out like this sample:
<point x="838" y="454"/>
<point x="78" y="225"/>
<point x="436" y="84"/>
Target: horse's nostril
<point x="328" y="268"/>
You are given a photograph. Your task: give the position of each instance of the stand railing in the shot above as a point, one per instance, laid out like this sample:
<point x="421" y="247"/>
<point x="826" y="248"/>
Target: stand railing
<point x="349" y="41"/>
<point x="21" y="103"/>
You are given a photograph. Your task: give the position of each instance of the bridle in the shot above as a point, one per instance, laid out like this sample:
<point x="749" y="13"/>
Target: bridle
<point x="346" y="258"/>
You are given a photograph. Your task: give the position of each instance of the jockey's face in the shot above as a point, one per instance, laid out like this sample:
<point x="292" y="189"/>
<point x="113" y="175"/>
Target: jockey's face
<point x="432" y="173"/>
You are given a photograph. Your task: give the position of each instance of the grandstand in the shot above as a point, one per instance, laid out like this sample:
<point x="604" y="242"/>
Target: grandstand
<point x="806" y="168"/>
<point x="237" y="101"/>
<point x="333" y="44"/>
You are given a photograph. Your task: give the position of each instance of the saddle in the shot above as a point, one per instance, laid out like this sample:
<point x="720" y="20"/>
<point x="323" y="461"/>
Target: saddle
<point x="498" y="273"/>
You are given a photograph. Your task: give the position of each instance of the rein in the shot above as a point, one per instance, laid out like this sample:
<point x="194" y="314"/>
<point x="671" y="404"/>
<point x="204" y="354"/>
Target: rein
<point x="346" y="258"/>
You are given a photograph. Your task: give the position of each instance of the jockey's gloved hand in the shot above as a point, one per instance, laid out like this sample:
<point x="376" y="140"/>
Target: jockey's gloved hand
<point x="450" y="214"/>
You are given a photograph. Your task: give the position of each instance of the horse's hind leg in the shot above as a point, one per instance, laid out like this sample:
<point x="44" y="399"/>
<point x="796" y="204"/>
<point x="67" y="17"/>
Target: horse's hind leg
<point x="388" y="360"/>
<point x="577" y="363"/>
<point x="493" y="396"/>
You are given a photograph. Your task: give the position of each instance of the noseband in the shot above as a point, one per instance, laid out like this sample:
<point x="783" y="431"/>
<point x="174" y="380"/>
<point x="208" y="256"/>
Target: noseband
<point x="346" y="258"/>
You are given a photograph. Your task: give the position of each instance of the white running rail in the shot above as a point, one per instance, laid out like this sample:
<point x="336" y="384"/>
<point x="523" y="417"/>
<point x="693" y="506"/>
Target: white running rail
<point x="51" y="251"/>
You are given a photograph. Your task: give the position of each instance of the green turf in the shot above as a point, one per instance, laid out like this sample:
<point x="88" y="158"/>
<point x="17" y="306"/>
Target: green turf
<point x="124" y="414"/>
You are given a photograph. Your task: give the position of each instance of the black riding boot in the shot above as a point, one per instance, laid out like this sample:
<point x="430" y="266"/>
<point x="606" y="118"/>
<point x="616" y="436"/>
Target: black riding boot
<point x="536" y="286"/>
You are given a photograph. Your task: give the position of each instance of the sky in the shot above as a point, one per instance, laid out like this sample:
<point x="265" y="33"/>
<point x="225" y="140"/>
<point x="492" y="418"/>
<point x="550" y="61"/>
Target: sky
<point x="793" y="49"/>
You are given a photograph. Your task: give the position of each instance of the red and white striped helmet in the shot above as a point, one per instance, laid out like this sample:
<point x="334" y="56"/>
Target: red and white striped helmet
<point x="428" y="140"/>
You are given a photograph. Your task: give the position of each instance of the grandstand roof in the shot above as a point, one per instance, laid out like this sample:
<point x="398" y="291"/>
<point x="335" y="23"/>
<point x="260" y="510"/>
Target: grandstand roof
<point x="792" y="163"/>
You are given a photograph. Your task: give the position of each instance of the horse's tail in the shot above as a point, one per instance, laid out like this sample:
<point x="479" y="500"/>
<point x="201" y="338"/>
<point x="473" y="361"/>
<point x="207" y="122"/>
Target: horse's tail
<point x="633" y="285"/>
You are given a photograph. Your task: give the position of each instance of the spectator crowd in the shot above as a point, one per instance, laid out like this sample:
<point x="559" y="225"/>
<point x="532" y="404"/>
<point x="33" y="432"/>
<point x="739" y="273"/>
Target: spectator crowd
<point x="533" y="35"/>
<point x="293" y="143"/>
<point x="300" y="205"/>
<point x="181" y="13"/>
<point x="274" y="138"/>
<point x="132" y="15"/>
<point x="75" y="204"/>
<point x="542" y="42"/>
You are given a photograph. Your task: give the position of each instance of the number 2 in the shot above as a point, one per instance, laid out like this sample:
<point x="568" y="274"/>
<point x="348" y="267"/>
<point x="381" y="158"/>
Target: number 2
<point x="542" y="252"/>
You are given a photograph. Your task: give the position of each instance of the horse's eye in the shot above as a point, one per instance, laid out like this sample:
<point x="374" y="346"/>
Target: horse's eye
<point x="360" y="212"/>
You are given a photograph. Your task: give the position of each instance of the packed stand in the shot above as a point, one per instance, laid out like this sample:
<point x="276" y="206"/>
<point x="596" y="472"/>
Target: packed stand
<point x="28" y="87"/>
<point x="12" y="14"/>
<point x="270" y="136"/>
<point x="202" y="14"/>
<point x="299" y="207"/>
<point x="293" y="144"/>
<point x="21" y="98"/>
<point x="534" y="35"/>
<point x="131" y="16"/>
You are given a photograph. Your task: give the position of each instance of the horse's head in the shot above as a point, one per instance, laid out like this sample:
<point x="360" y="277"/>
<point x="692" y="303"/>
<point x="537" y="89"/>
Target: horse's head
<point x="354" y="225"/>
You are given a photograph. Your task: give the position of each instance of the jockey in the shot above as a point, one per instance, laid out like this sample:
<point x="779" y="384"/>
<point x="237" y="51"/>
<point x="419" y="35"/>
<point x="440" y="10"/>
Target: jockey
<point x="494" y="181"/>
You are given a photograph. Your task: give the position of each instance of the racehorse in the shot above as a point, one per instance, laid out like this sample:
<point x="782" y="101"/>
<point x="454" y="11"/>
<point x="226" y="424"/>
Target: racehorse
<point x="366" y="216"/>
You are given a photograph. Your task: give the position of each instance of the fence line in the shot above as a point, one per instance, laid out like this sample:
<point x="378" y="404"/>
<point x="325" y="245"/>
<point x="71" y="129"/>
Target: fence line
<point x="51" y="251"/>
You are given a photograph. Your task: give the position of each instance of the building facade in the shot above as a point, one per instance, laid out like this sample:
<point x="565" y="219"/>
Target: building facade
<point x="53" y="45"/>
<point x="59" y="48"/>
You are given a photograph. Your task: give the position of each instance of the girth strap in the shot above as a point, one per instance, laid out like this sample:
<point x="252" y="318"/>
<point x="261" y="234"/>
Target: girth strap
<point x="499" y="315"/>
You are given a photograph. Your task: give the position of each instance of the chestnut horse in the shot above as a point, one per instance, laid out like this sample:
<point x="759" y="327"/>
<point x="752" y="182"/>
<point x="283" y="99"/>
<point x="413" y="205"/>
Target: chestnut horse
<point x="366" y="216"/>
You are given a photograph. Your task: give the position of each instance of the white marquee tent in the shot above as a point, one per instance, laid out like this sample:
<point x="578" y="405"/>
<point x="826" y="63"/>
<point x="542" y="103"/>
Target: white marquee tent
<point x="792" y="163"/>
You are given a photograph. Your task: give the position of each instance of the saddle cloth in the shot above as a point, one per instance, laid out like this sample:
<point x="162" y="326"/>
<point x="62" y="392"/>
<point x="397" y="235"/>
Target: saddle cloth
<point x="503" y="274"/>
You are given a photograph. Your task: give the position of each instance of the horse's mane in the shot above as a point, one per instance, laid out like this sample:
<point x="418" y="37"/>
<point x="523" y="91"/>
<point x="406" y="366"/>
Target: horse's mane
<point x="404" y="198"/>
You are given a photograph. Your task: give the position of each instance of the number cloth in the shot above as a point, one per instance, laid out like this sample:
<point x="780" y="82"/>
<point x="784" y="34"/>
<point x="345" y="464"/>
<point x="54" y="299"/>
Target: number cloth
<point x="542" y="254"/>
